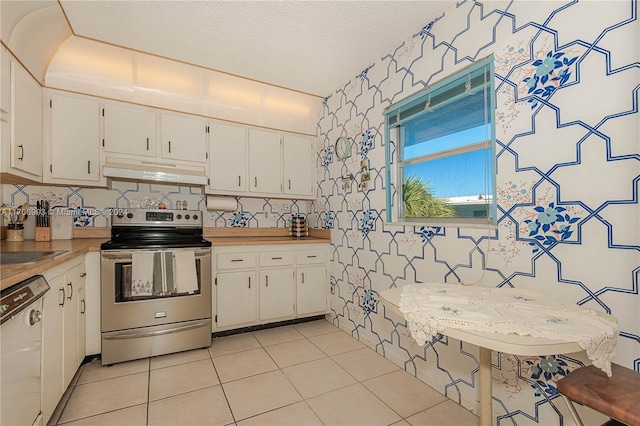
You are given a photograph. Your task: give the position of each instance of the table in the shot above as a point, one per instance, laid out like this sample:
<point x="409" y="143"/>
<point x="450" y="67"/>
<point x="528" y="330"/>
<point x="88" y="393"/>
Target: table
<point x="508" y="343"/>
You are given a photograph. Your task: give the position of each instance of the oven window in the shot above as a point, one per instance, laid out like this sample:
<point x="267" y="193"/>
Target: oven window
<point x="159" y="282"/>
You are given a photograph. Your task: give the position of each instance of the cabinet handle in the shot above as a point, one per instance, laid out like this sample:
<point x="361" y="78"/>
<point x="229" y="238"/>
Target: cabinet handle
<point x="71" y="295"/>
<point x="84" y="307"/>
<point x="239" y="182"/>
<point x="311" y="256"/>
<point x="289" y="183"/>
<point x="303" y="278"/>
<point x="89" y="167"/>
<point x="249" y="282"/>
<point x="266" y="280"/>
<point x="169" y="147"/>
<point x="255" y="183"/>
<point x="147" y="144"/>
<point x="237" y="260"/>
<point x="276" y="258"/>
<point x="21" y="153"/>
<point x="64" y="296"/>
<point x="84" y="274"/>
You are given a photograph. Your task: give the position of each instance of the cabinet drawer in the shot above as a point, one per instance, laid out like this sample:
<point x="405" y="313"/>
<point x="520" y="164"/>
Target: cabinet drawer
<point x="304" y="257"/>
<point x="236" y="260"/>
<point x="276" y="258"/>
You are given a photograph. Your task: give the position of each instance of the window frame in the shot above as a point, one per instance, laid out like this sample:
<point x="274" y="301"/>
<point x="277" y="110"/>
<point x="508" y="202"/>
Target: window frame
<point x="394" y="167"/>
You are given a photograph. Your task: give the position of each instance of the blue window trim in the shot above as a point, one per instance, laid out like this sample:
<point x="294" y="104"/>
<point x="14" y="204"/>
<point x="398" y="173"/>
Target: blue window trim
<point x="421" y="97"/>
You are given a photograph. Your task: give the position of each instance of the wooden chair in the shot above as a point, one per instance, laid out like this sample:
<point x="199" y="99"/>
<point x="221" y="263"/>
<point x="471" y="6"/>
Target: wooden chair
<point x="617" y="396"/>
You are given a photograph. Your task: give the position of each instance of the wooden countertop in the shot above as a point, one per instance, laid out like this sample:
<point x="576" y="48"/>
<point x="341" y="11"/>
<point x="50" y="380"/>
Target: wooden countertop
<point x="12" y="274"/>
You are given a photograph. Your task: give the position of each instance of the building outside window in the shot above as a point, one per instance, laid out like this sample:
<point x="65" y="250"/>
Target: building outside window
<point x="441" y="155"/>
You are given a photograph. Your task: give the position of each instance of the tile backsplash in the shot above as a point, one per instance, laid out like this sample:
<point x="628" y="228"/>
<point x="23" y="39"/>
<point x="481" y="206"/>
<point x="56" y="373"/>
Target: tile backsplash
<point x="93" y="206"/>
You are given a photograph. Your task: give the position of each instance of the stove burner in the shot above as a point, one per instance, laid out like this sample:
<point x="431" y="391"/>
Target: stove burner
<point x="156" y="229"/>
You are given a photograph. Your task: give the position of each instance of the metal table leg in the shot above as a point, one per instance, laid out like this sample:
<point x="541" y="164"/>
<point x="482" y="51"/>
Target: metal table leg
<point x="485" y="387"/>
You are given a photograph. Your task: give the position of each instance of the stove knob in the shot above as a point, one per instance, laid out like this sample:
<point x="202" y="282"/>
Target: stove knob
<point x="129" y="215"/>
<point x="186" y="216"/>
<point x="120" y="215"/>
<point x="195" y="217"/>
<point x="178" y="216"/>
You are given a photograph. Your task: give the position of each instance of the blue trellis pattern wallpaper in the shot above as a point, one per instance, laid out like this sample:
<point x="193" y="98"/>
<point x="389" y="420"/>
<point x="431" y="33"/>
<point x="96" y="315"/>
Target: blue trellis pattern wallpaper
<point x="92" y="206"/>
<point x="568" y="165"/>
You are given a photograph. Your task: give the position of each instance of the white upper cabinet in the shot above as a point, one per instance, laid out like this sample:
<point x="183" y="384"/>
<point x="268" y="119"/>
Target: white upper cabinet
<point x="73" y="153"/>
<point x="184" y="138"/>
<point x="265" y="162"/>
<point x="129" y="130"/>
<point x="228" y="164"/>
<point x="20" y="120"/>
<point x="298" y="163"/>
<point x="26" y="123"/>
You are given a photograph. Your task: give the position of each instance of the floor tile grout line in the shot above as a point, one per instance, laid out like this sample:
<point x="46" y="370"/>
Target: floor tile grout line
<point x="226" y="398"/>
<point x="100" y="414"/>
<point x="148" y="390"/>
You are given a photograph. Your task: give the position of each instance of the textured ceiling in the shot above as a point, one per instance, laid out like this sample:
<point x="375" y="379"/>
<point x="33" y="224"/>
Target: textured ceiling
<point x="310" y="46"/>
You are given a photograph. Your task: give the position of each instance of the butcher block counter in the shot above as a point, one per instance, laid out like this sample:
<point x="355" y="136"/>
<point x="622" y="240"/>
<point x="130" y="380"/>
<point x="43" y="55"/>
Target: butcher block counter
<point x="89" y="239"/>
<point x="262" y="236"/>
<point x="14" y="273"/>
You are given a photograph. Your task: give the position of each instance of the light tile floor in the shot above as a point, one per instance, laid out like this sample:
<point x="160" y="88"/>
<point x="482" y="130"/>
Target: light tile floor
<point x="304" y="374"/>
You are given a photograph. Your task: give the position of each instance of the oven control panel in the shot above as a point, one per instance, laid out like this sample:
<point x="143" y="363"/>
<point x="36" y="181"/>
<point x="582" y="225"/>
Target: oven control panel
<point x="157" y="217"/>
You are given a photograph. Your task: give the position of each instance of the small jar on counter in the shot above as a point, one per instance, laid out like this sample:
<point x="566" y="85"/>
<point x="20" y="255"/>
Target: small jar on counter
<point x="15" y="232"/>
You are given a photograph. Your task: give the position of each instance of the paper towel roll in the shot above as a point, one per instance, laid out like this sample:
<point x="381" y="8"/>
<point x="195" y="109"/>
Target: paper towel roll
<point x="222" y="203"/>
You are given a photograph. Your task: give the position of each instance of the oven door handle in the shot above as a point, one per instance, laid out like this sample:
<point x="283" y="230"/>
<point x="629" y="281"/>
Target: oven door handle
<point x="158" y="332"/>
<point x="128" y="255"/>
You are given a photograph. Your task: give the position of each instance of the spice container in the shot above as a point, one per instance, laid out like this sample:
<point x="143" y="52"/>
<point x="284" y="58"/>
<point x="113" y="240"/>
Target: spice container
<point x="299" y="227"/>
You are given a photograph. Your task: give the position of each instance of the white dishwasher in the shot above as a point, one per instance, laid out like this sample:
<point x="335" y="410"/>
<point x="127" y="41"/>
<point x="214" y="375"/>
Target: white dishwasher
<point x="20" y="352"/>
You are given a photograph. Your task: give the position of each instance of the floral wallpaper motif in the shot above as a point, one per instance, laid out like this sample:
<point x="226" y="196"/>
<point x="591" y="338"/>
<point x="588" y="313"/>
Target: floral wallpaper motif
<point x="428" y="232"/>
<point x="551" y="72"/>
<point x="546" y="371"/>
<point x="368" y="222"/>
<point x="239" y="220"/>
<point x="551" y="225"/>
<point x="366" y="143"/>
<point x="368" y="301"/>
<point x="327" y="220"/>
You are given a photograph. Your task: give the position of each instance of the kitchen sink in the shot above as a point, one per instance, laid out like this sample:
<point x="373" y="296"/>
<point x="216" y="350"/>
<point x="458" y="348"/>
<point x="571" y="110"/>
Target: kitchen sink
<point x="17" y="257"/>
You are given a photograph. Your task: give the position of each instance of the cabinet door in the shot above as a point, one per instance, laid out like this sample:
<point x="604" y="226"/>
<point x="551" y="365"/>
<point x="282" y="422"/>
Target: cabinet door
<point x="311" y="290"/>
<point x="71" y="327"/>
<point x="129" y="130"/>
<point x="184" y="138"/>
<point x="75" y="137"/>
<point x="236" y="298"/>
<point x="228" y="164"/>
<point x="265" y="162"/>
<point x="276" y="293"/>
<point x="5" y="98"/>
<point x="82" y="324"/>
<point x="298" y="165"/>
<point x="26" y="121"/>
<point x="52" y="347"/>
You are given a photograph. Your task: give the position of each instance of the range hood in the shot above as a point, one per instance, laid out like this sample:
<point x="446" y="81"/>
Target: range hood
<point x="148" y="171"/>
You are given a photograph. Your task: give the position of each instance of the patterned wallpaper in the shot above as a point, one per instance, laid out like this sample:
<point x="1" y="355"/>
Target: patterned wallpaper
<point x="567" y="80"/>
<point x="92" y="206"/>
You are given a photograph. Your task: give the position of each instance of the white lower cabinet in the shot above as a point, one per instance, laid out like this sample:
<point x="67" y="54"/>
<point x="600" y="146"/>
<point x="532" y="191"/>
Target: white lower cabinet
<point x="311" y="290"/>
<point x="261" y="284"/>
<point x="63" y="331"/>
<point x="276" y="294"/>
<point x="237" y="295"/>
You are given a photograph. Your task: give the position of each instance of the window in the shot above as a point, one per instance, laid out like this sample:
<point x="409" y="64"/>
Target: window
<point x="441" y="157"/>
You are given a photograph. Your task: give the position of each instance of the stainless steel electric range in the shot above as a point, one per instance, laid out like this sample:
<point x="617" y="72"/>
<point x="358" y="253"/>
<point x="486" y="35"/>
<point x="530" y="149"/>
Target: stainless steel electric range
<point x="156" y="284"/>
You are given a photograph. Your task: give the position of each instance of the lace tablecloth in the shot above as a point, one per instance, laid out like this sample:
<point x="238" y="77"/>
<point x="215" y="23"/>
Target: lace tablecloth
<point x="430" y="308"/>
